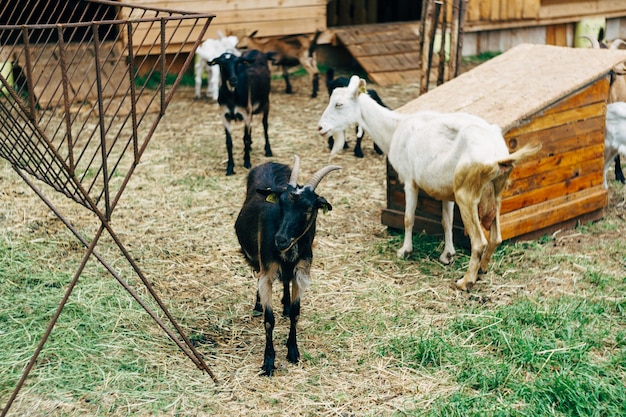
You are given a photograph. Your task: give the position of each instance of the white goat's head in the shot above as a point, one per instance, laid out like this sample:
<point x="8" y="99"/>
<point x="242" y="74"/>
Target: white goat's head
<point x="230" y="44"/>
<point x="342" y="112"/>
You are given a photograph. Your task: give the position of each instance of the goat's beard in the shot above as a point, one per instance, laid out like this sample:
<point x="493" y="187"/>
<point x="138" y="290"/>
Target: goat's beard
<point x="291" y="253"/>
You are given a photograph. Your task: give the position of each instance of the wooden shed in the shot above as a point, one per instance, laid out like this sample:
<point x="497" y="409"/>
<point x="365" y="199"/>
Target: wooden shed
<point x="554" y="95"/>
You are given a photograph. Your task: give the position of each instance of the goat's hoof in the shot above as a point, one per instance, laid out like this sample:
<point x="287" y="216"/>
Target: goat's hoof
<point x="358" y="154"/>
<point x="230" y="172"/>
<point x="462" y="285"/>
<point x="403" y="254"/>
<point x="293" y="356"/>
<point x="268" y="367"/>
<point x="446" y="258"/>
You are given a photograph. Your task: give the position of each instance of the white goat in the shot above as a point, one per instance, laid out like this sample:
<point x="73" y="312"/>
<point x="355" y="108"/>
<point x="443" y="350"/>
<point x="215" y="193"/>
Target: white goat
<point x="208" y="51"/>
<point x="617" y="93"/>
<point x="615" y="137"/>
<point x="454" y="157"/>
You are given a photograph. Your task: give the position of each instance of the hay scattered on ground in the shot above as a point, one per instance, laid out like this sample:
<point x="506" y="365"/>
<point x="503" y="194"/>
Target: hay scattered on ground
<point x="177" y="219"/>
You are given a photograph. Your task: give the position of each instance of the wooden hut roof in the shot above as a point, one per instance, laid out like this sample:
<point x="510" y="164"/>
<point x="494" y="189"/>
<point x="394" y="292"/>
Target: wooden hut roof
<point x="517" y="84"/>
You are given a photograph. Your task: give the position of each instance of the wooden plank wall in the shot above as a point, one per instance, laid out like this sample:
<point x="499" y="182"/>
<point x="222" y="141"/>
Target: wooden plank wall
<point x="560" y="185"/>
<point x="494" y="14"/>
<point x="269" y="17"/>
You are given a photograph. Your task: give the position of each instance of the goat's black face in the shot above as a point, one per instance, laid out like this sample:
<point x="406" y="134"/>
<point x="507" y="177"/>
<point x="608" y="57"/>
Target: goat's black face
<point x="298" y="209"/>
<point x="228" y="68"/>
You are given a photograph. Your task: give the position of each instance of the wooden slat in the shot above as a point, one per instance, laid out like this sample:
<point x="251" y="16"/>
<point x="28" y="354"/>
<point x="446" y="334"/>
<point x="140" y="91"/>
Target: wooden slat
<point x="540" y="216"/>
<point x="593" y="177"/>
<point x="389" y="53"/>
<point x="527" y="175"/>
<point x="555" y="119"/>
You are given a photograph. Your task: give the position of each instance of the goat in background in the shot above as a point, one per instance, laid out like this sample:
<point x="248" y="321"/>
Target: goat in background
<point x="617" y="93"/>
<point x="207" y="52"/>
<point x="331" y="84"/>
<point x="245" y="91"/>
<point x="290" y="51"/>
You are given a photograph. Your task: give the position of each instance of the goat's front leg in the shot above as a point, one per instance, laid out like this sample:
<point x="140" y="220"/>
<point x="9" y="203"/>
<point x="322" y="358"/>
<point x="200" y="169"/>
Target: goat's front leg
<point x="447" y="221"/>
<point x="299" y="286"/>
<point x="316" y="85"/>
<point x="265" y="293"/>
<point x="288" y="89"/>
<point x="247" y="144"/>
<point x="198" y="69"/>
<point x="411" y="192"/>
<point x="213" y="88"/>
<point x="268" y="149"/>
<point x="468" y="207"/>
<point x="358" y="151"/>
<point x="230" y="166"/>
<point x="619" y="175"/>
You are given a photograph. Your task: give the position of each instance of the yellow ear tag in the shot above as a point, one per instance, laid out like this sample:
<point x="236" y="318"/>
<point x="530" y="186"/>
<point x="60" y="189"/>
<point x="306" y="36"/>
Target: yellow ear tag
<point x="272" y="198"/>
<point x="325" y="208"/>
<point x="362" y="89"/>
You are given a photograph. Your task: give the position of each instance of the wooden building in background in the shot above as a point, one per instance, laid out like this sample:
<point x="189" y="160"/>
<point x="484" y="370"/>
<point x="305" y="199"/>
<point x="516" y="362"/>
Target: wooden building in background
<point x="494" y="25"/>
<point x="536" y="93"/>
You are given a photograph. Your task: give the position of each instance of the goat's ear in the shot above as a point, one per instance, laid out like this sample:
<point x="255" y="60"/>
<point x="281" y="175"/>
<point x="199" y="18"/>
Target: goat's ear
<point x="354" y="85"/>
<point x="323" y="204"/>
<point x="362" y="86"/>
<point x="271" y="196"/>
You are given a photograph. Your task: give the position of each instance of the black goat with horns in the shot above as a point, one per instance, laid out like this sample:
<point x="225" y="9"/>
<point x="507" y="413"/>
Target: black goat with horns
<point x="276" y="228"/>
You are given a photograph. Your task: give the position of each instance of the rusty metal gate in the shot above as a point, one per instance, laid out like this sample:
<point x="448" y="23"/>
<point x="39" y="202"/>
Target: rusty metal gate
<point x="75" y="115"/>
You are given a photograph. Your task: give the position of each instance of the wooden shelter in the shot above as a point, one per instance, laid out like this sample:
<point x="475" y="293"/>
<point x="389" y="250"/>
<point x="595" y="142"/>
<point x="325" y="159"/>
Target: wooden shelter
<point x="553" y="95"/>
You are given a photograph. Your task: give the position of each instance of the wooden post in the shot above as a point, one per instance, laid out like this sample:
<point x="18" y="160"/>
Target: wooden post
<point x="430" y="25"/>
<point x="454" y="40"/>
<point x="459" y="48"/>
<point x="442" y="49"/>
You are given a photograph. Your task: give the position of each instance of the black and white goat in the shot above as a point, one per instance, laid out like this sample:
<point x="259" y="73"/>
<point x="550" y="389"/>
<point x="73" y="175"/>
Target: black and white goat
<point x="245" y="91"/>
<point x="290" y="51"/>
<point x="331" y="84"/>
<point x="615" y="136"/>
<point x="617" y="93"/>
<point x="276" y="228"/>
<point x="453" y="157"/>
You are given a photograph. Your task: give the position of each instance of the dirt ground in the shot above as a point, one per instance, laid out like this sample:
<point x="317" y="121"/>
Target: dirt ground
<point x="177" y="218"/>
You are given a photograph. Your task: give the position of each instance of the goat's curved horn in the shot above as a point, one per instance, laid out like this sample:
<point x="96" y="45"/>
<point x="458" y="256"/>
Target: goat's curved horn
<point x="319" y="175"/>
<point x="616" y="43"/>
<point x="594" y="42"/>
<point x="293" y="179"/>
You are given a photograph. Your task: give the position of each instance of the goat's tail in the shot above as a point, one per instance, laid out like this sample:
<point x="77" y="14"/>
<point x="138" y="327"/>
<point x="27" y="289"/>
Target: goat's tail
<point x="314" y="42"/>
<point x="500" y="169"/>
<point x="506" y="165"/>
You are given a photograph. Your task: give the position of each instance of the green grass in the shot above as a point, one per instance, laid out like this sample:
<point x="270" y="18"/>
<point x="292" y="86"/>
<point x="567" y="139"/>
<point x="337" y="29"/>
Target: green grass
<point x="104" y="346"/>
<point x="533" y="357"/>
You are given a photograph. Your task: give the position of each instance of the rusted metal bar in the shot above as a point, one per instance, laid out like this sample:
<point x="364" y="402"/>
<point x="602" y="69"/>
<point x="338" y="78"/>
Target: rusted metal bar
<point x="31" y="150"/>
<point x="103" y="140"/>
<point x="66" y="100"/>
